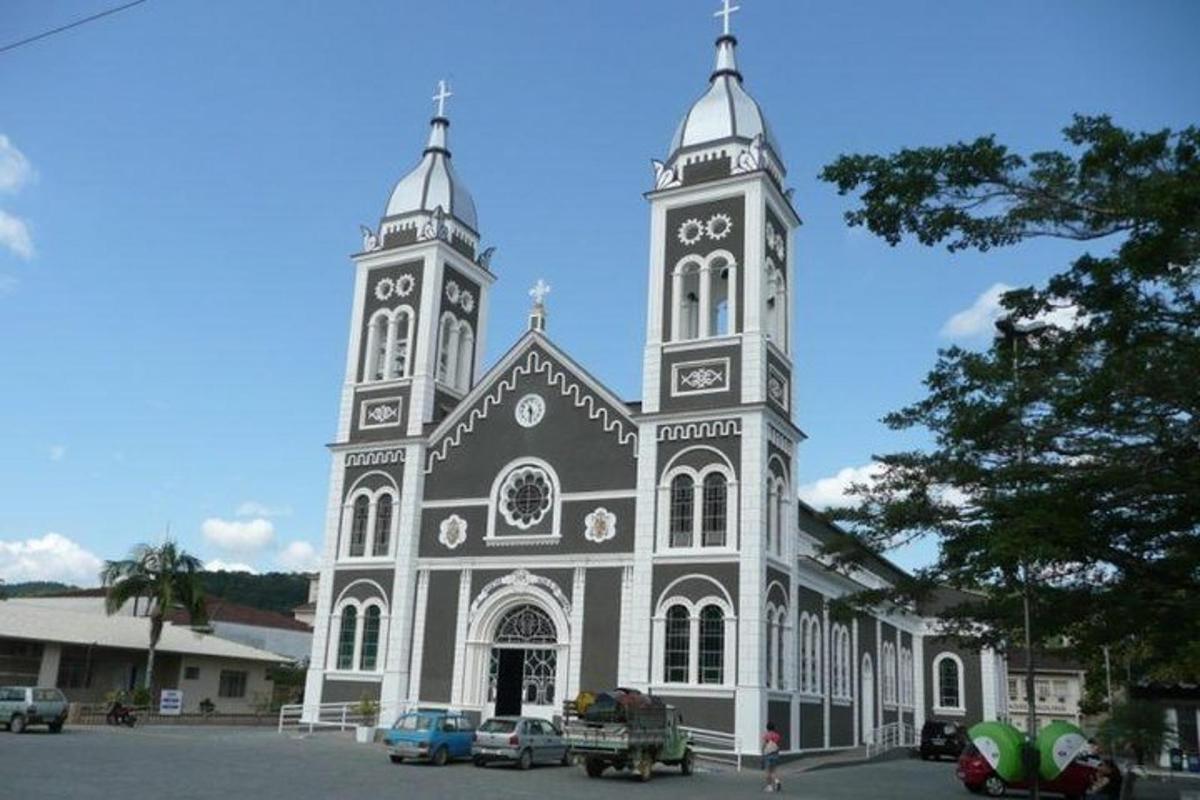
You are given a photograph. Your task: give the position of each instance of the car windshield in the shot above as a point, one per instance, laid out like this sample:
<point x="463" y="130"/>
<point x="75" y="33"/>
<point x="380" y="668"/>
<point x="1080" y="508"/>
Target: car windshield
<point x="414" y="722"/>
<point x="498" y="726"/>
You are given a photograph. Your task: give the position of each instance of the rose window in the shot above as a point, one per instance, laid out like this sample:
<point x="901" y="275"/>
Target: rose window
<point x="526" y="497"/>
<point x="691" y="231"/>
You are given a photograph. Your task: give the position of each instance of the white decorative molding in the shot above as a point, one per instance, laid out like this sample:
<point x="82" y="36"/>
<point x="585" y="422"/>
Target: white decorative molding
<point x="519" y="479"/>
<point x="707" y="376"/>
<point x="777" y="387"/>
<point x="664" y="177"/>
<point x="404" y="285"/>
<point x="384" y="288"/>
<point x="718" y="226"/>
<point x="380" y="412"/>
<point x="780" y="439"/>
<point x="709" y="429"/>
<point x="534" y="363"/>
<point x="751" y="159"/>
<point x="520" y="579"/>
<point x="466" y="300"/>
<point x="690" y="231"/>
<point x="452" y="291"/>
<point x="600" y="525"/>
<point x="375" y="458"/>
<point x="452" y="531"/>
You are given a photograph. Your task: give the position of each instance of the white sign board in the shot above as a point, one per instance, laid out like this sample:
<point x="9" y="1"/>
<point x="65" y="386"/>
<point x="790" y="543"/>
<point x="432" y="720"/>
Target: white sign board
<point x="170" y="702"/>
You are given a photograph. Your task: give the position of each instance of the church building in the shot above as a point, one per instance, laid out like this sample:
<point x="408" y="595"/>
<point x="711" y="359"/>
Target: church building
<point x="499" y="539"/>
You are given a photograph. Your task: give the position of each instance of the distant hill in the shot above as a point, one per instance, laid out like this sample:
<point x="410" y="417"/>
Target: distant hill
<point x="272" y="591"/>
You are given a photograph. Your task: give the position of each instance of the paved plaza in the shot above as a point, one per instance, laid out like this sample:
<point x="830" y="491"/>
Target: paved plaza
<point x="192" y="763"/>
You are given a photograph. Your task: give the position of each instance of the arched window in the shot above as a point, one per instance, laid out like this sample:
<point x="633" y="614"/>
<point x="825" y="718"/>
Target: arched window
<point x="678" y="643"/>
<point x="776" y="306"/>
<point x="383" y="525"/>
<point x="713" y="519"/>
<point x="358" y="526"/>
<point x="772" y="518"/>
<point x="948" y="691"/>
<point x="402" y="323"/>
<point x="781" y="681"/>
<point x="347" y="636"/>
<point x="465" y="359"/>
<point x="447" y="347"/>
<point x="526" y="624"/>
<point x="370" y="640"/>
<point x="712" y="645"/>
<point x="686" y="324"/>
<point x="719" y="273"/>
<point x="377" y="342"/>
<point x="683" y="492"/>
<point x="769" y="641"/>
<point x="810" y="654"/>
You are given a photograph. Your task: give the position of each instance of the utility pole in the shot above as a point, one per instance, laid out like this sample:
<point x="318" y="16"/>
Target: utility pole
<point x="1014" y="333"/>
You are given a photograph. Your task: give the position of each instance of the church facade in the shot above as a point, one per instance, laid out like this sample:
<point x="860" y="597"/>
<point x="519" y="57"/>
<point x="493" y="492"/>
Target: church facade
<point x="500" y="540"/>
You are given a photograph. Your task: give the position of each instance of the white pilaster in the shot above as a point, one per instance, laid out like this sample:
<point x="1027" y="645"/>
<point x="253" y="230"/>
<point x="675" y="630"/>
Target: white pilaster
<point x="856" y="687"/>
<point x="51" y="658"/>
<point x="751" y="697"/>
<point x="460" y="636"/>
<point x="987" y="677"/>
<point x="919" y="704"/>
<point x="636" y="666"/>
<point x="826" y="666"/>
<point x="578" y="587"/>
<point x="418" y="637"/>
<point x="400" y="660"/>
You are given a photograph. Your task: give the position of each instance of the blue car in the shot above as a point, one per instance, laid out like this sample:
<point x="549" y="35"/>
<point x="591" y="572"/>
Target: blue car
<point x="434" y="736"/>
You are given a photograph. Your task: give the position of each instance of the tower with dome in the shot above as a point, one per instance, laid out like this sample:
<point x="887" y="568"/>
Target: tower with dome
<point x="498" y="541"/>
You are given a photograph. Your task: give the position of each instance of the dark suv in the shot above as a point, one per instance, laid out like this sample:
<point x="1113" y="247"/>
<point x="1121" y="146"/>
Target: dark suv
<point x="942" y="739"/>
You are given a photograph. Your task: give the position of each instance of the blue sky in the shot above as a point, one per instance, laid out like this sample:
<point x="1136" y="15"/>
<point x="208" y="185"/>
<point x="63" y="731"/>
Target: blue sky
<point x="181" y="184"/>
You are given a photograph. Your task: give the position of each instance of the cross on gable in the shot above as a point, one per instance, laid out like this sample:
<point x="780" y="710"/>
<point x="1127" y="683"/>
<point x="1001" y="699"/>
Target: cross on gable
<point x="539" y="292"/>
<point x="443" y="93"/>
<point x="726" y="12"/>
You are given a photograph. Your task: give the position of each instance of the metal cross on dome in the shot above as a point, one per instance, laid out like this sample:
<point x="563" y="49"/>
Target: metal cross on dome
<point x="726" y="12"/>
<point x="539" y="292"/>
<point x="443" y="93"/>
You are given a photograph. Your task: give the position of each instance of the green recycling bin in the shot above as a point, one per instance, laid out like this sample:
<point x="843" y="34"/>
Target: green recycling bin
<point x="1059" y="743"/>
<point x="1000" y="744"/>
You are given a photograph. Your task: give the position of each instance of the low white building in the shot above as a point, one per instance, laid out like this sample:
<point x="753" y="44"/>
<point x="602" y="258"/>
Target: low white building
<point x="1058" y="684"/>
<point x="89" y="655"/>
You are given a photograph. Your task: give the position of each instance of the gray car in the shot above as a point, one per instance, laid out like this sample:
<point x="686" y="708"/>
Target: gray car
<point x="22" y="706"/>
<point x="523" y="741"/>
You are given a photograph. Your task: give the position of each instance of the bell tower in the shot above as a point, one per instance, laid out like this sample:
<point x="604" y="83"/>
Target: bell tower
<point x="716" y="438"/>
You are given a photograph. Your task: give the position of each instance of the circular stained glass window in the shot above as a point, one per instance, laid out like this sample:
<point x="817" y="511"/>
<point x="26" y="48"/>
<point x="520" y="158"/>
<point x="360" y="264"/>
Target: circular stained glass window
<point x="526" y="497"/>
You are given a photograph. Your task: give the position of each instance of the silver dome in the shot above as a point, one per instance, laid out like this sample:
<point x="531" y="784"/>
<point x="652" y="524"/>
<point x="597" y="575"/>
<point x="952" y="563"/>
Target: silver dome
<point x="433" y="183"/>
<point x="725" y="111"/>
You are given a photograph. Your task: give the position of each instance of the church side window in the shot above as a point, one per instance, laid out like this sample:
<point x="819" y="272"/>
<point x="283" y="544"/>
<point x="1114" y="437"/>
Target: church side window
<point x="781" y="681"/>
<point x="889" y="673"/>
<point x="776" y="306"/>
<point x="377" y="341"/>
<point x="712" y="645"/>
<point x="346" y="638"/>
<point x="682" y="493"/>
<point x="447" y="349"/>
<point x="720" y="274"/>
<point x="714" y="510"/>
<point x="370" y="639"/>
<point x="948" y="682"/>
<point x="466" y="347"/>
<point x="402" y="324"/>
<point x="383" y="525"/>
<point x="678" y="641"/>
<point x="686" y="324"/>
<point x="769" y="641"/>
<point x="358" y="527"/>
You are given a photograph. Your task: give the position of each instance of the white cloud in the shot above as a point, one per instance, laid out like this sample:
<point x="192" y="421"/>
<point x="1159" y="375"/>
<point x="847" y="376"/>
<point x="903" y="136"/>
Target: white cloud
<point x="980" y="318"/>
<point x="238" y="535"/>
<point x="253" y="508"/>
<point x="57" y="452"/>
<point x="14" y="234"/>
<point x="298" y="557"/>
<point x="217" y="565"/>
<point x="831" y="492"/>
<point x="52" y="557"/>
<point x="15" y="169"/>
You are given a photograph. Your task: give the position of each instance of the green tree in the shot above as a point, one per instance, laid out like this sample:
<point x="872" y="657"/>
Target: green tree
<point x="166" y="576"/>
<point x="1081" y="463"/>
<point x="1138" y="726"/>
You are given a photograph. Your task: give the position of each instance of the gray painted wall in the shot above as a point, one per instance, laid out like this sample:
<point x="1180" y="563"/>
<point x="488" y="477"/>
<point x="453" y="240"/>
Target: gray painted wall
<point x="348" y="691"/>
<point x="812" y="726"/>
<point x="437" y="662"/>
<point x="712" y="713"/>
<point x="601" y="629"/>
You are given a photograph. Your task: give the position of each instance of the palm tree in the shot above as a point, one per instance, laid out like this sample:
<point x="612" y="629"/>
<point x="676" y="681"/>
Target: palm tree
<point x="166" y="576"/>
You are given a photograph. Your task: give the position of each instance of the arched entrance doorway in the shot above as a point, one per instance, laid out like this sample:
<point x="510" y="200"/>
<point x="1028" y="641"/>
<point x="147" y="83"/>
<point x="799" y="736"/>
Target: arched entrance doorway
<point x="523" y="664"/>
<point x="867" y="703"/>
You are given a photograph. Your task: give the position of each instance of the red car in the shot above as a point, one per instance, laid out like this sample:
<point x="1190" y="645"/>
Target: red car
<point x="977" y="775"/>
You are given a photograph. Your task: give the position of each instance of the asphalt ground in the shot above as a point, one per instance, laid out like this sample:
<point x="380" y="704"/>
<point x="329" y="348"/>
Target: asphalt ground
<point x="209" y="763"/>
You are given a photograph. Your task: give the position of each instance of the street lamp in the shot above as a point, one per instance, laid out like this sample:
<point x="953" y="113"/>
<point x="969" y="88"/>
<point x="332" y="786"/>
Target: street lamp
<point x="1014" y="331"/>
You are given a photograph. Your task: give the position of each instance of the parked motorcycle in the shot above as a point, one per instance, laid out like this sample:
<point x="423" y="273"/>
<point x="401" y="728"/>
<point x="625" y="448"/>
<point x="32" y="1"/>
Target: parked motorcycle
<point x="120" y="714"/>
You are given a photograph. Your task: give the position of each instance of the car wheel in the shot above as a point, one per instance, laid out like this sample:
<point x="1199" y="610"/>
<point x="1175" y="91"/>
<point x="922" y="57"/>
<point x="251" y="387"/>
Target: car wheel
<point x="688" y="763"/>
<point x="479" y="761"/>
<point x="594" y="767"/>
<point x="56" y="727"/>
<point x="645" y="768"/>
<point x="525" y="760"/>
<point x="396" y="759"/>
<point x="440" y="757"/>
<point x="17" y="724"/>
<point x="993" y="786"/>
<point x="566" y="759"/>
